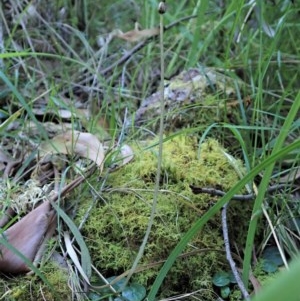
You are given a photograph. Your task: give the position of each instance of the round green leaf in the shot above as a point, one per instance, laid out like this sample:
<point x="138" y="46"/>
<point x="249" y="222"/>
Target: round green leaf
<point x="225" y="292"/>
<point x="134" y="292"/>
<point x="94" y="297"/>
<point x="269" y="266"/>
<point x="119" y="284"/>
<point x="221" y="279"/>
<point x="272" y="254"/>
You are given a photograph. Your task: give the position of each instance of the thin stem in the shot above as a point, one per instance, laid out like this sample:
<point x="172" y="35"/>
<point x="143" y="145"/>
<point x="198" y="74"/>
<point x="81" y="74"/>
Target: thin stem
<point x="239" y="197"/>
<point x="159" y="161"/>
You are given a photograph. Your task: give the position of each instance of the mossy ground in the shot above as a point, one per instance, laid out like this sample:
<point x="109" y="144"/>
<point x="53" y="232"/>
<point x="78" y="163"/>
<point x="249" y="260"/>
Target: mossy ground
<point x="31" y="287"/>
<point x="115" y="227"/>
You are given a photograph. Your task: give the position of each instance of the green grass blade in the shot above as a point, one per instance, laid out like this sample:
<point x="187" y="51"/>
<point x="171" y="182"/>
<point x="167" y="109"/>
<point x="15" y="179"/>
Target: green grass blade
<point x="9" y="55"/>
<point x="194" y="52"/>
<point x="22" y="102"/>
<point x="264" y="185"/>
<point x="9" y="120"/>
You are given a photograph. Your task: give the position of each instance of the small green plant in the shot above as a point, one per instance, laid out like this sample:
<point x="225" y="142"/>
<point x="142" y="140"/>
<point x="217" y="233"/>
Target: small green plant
<point x="124" y="291"/>
<point x="284" y="287"/>
<point x="224" y="280"/>
<point x="271" y="259"/>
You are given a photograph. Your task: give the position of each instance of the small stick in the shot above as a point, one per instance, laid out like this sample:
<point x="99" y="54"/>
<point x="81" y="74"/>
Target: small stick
<point x="237" y="197"/>
<point x="229" y="257"/>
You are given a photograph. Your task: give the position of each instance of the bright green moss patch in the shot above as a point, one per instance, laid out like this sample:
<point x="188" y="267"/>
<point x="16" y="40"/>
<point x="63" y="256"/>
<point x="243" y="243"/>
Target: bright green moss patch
<point x="115" y="228"/>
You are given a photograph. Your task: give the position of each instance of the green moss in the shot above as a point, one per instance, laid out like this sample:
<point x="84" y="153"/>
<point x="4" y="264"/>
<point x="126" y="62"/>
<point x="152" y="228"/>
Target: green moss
<point x="236" y="295"/>
<point x="115" y="228"/>
<point x="32" y="288"/>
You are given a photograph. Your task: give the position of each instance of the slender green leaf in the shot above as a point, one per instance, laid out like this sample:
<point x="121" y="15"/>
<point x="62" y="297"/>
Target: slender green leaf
<point x="9" y="120"/>
<point x="194" y="52"/>
<point x="23" y="102"/>
<point x="264" y="185"/>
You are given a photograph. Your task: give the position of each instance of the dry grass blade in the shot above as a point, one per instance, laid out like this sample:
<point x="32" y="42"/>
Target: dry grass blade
<point x="74" y="256"/>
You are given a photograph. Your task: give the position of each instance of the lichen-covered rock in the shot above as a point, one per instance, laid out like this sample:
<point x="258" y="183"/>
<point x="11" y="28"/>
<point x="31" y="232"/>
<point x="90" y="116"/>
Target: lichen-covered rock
<point x="115" y="228"/>
<point x="192" y="98"/>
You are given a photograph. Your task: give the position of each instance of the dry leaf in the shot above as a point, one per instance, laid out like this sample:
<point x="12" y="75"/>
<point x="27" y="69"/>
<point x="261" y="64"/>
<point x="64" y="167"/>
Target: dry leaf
<point x="26" y="236"/>
<point x="126" y="154"/>
<point x="74" y="142"/>
<point x="136" y="35"/>
<point x="121" y="156"/>
<point x="61" y="113"/>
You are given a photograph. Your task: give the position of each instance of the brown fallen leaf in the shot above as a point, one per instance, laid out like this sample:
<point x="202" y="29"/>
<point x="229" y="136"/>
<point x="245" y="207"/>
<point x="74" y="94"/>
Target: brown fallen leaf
<point x="136" y="35"/>
<point x="74" y="142"/>
<point x="27" y="236"/>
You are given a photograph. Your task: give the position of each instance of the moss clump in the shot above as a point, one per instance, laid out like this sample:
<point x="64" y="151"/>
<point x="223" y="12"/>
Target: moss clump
<point x="116" y="227"/>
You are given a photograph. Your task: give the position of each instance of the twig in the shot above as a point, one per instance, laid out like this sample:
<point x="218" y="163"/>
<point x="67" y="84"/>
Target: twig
<point x="236" y="197"/>
<point x="229" y="257"/>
